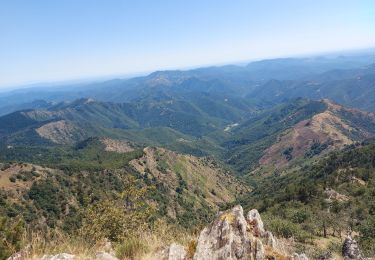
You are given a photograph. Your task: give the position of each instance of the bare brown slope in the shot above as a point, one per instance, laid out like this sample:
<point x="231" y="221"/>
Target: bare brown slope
<point x="332" y="129"/>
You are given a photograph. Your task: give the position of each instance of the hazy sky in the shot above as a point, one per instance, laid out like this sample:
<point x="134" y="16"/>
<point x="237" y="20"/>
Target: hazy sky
<point x="42" y="40"/>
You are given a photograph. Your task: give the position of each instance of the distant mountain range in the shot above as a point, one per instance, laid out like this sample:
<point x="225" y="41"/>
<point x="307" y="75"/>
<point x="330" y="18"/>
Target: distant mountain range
<point x="292" y="137"/>
<point x="243" y="135"/>
<point x="268" y="79"/>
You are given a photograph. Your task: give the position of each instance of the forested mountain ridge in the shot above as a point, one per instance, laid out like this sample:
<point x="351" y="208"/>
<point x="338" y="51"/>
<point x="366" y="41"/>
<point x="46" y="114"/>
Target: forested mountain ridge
<point x="244" y="135"/>
<point x="60" y="192"/>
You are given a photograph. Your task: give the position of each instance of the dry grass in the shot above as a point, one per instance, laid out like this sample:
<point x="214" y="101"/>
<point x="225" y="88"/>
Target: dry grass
<point x="162" y="236"/>
<point x="144" y="246"/>
<point x="55" y="242"/>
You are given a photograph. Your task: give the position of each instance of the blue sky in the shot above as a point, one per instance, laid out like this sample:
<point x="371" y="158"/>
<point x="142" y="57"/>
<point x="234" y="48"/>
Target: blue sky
<point x="45" y="40"/>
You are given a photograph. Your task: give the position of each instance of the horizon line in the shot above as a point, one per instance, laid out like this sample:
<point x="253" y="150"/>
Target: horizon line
<point x="123" y="76"/>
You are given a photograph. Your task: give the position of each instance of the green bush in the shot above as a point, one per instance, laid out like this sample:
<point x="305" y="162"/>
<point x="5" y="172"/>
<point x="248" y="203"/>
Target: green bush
<point x="287" y="229"/>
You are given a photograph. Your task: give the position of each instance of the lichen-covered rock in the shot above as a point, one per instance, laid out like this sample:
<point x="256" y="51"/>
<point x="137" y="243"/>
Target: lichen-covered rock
<point x="255" y="222"/>
<point x="269" y="239"/>
<point x="259" y="250"/>
<point x="62" y="256"/>
<point x="350" y="249"/>
<point x="173" y="252"/>
<point x="225" y="238"/>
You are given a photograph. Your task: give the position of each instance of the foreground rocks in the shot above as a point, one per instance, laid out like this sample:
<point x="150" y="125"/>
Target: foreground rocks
<point x="225" y="238"/>
<point x="350" y="250"/>
<point x="230" y="236"/>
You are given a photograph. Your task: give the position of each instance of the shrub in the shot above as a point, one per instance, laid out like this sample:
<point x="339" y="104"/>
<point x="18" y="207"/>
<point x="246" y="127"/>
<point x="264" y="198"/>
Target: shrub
<point x="118" y="220"/>
<point x="130" y="248"/>
<point x="287" y="229"/>
<point x="11" y="233"/>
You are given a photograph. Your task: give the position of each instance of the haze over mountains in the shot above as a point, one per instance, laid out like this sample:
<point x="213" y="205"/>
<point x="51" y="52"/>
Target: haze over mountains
<point x="250" y="80"/>
<point x="292" y="137"/>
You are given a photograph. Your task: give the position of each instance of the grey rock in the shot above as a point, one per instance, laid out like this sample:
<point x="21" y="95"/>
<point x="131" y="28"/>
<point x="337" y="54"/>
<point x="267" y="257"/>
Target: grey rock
<point x="350" y="249"/>
<point x="256" y="223"/>
<point x="325" y="256"/>
<point x="173" y="252"/>
<point x="62" y="256"/>
<point x="269" y="239"/>
<point x="225" y="238"/>
<point x="259" y="252"/>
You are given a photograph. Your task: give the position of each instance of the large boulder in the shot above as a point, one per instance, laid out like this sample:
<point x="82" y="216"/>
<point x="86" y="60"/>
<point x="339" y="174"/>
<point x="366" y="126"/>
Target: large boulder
<point x="225" y="238"/>
<point x="350" y="249"/>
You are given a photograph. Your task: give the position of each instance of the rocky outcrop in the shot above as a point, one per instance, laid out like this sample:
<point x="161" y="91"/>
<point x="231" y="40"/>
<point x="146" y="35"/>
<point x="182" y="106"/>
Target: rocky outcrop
<point x="332" y="195"/>
<point x="259" y="250"/>
<point x="350" y="249"/>
<point x="269" y="239"/>
<point x="232" y="236"/>
<point x="225" y="238"/>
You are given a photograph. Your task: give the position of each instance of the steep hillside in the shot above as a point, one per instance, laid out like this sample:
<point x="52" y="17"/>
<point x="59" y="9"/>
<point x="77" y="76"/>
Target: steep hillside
<point x="55" y="189"/>
<point x="322" y="200"/>
<point x="293" y="131"/>
<point x="199" y="180"/>
<point x="329" y="130"/>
